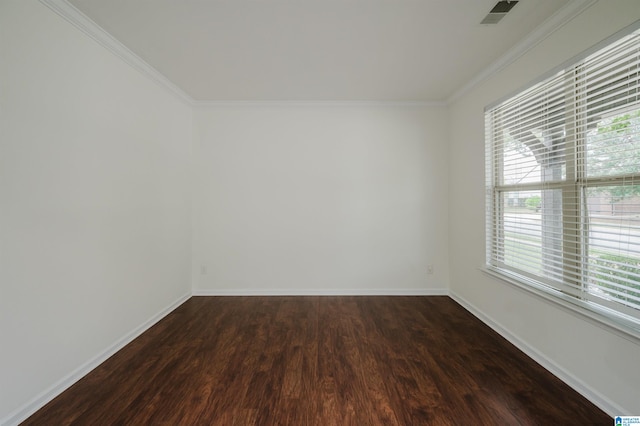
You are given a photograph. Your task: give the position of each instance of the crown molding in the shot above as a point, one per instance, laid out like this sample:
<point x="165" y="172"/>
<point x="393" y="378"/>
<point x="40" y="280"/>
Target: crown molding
<point x="85" y="24"/>
<point x="311" y="103"/>
<point x="74" y="16"/>
<point x="81" y="21"/>
<point x="548" y="27"/>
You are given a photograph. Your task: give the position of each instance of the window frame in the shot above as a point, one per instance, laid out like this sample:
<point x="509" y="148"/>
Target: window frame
<point x="574" y="186"/>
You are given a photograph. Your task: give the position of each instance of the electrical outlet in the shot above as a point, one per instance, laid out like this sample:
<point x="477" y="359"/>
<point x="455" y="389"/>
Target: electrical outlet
<point x="429" y="269"/>
<point x="203" y="270"/>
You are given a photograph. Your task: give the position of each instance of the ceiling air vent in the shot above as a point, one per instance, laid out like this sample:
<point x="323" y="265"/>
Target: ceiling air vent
<point x="499" y="11"/>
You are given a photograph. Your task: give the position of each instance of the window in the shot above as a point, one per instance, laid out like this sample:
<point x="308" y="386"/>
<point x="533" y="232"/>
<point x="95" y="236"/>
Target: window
<point x="563" y="184"/>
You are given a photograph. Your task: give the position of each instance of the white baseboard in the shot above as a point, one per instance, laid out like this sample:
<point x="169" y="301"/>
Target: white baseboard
<point x="324" y="292"/>
<point x="63" y="384"/>
<point x="601" y="401"/>
<point x="574" y="382"/>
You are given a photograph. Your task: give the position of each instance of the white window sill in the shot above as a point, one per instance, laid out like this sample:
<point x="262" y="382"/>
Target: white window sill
<point x="620" y="324"/>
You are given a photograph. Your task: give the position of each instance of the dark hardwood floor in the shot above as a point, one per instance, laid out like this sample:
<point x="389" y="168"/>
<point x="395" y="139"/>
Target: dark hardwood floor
<point x="319" y="361"/>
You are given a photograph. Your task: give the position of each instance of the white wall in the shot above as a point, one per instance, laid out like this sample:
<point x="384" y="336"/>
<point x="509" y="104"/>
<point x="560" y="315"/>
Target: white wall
<point x="95" y="218"/>
<point x="602" y="364"/>
<point x="314" y="198"/>
<point x="94" y="201"/>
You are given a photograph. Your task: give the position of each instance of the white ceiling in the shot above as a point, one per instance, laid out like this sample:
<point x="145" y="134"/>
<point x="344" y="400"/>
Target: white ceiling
<point x="317" y="50"/>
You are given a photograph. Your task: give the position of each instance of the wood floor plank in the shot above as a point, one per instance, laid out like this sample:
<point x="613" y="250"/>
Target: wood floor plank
<point x="319" y="361"/>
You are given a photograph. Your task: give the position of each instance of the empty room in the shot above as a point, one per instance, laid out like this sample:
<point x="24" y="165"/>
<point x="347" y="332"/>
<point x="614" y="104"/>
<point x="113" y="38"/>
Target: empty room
<point x="305" y="212"/>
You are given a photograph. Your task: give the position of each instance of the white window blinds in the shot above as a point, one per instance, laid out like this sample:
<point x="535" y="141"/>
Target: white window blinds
<point x="563" y="182"/>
